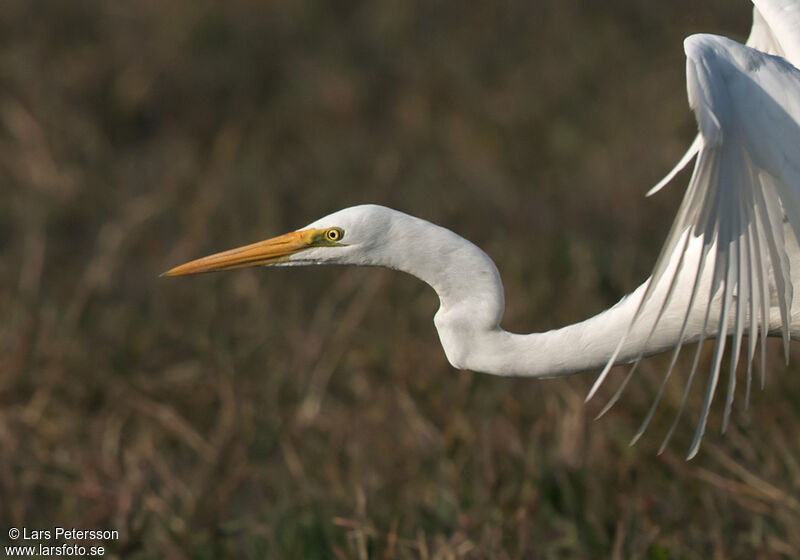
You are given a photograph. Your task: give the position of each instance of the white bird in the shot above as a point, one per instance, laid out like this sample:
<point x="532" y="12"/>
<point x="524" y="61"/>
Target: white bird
<point x="729" y="265"/>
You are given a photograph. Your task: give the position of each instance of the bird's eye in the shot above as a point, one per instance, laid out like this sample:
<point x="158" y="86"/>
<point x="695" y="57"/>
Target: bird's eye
<point x="334" y="234"/>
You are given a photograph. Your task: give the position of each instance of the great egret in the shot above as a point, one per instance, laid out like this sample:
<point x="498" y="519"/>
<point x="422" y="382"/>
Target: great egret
<point x="725" y="269"/>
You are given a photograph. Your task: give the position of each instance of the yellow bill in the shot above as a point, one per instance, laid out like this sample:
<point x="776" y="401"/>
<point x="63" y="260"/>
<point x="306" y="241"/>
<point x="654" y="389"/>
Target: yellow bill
<point x="271" y="251"/>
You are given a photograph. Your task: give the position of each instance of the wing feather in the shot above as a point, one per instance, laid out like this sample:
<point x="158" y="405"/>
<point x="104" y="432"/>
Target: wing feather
<point x="744" y="187"/>
<point x="776" y="28"/>
<point x="777" y="34"/>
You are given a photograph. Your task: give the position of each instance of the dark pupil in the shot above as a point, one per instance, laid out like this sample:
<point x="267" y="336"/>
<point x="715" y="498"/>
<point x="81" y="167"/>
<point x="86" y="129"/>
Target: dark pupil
<point x="333" y="234"/>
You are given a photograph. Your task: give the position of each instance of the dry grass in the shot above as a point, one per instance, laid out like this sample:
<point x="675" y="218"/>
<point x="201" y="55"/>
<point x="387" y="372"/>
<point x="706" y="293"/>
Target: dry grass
<point x="312" y="414"/>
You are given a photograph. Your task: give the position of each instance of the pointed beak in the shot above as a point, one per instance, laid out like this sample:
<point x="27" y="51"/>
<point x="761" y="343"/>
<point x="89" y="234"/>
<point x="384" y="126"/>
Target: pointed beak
<point x="271" y="251"/>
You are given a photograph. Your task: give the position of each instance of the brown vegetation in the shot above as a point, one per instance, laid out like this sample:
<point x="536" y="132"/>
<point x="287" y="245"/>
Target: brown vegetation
<point x="311" y="413"/>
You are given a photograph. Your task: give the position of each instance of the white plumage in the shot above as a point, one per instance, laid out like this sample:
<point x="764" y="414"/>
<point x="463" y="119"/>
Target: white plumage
<point x="728" y="267"/>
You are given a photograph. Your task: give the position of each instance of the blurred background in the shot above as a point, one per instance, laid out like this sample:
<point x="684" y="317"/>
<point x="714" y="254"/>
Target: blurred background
<point x="312" y="413"/>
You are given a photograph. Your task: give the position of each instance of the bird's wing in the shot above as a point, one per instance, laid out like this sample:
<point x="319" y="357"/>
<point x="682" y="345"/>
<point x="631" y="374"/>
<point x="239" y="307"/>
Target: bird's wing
<point x="776" y="28"/>
<point x="762" y="37"/>
<point x="776" y="32"/>
<point x="745" y="184"/>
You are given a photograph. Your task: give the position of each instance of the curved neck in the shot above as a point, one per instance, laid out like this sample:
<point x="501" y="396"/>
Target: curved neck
<point x="468" y="321"/>
<point x="586" y="345"/>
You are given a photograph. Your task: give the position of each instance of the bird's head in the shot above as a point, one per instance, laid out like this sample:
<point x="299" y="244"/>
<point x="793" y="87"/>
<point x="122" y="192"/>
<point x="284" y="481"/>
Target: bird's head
<point x="354" y="235"/>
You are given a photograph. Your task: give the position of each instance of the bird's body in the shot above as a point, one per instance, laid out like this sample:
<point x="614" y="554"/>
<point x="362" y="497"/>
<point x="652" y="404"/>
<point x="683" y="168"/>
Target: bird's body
<point x="729" y="267"/>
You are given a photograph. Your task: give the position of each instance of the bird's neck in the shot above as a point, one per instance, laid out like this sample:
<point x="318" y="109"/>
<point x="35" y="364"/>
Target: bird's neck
<point x="586" y="345"/>
<point x="468" y="321"/>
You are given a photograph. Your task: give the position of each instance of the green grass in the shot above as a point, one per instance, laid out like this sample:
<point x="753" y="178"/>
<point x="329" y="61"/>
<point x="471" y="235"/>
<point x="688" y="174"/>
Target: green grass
<point x="312" y="413"/>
